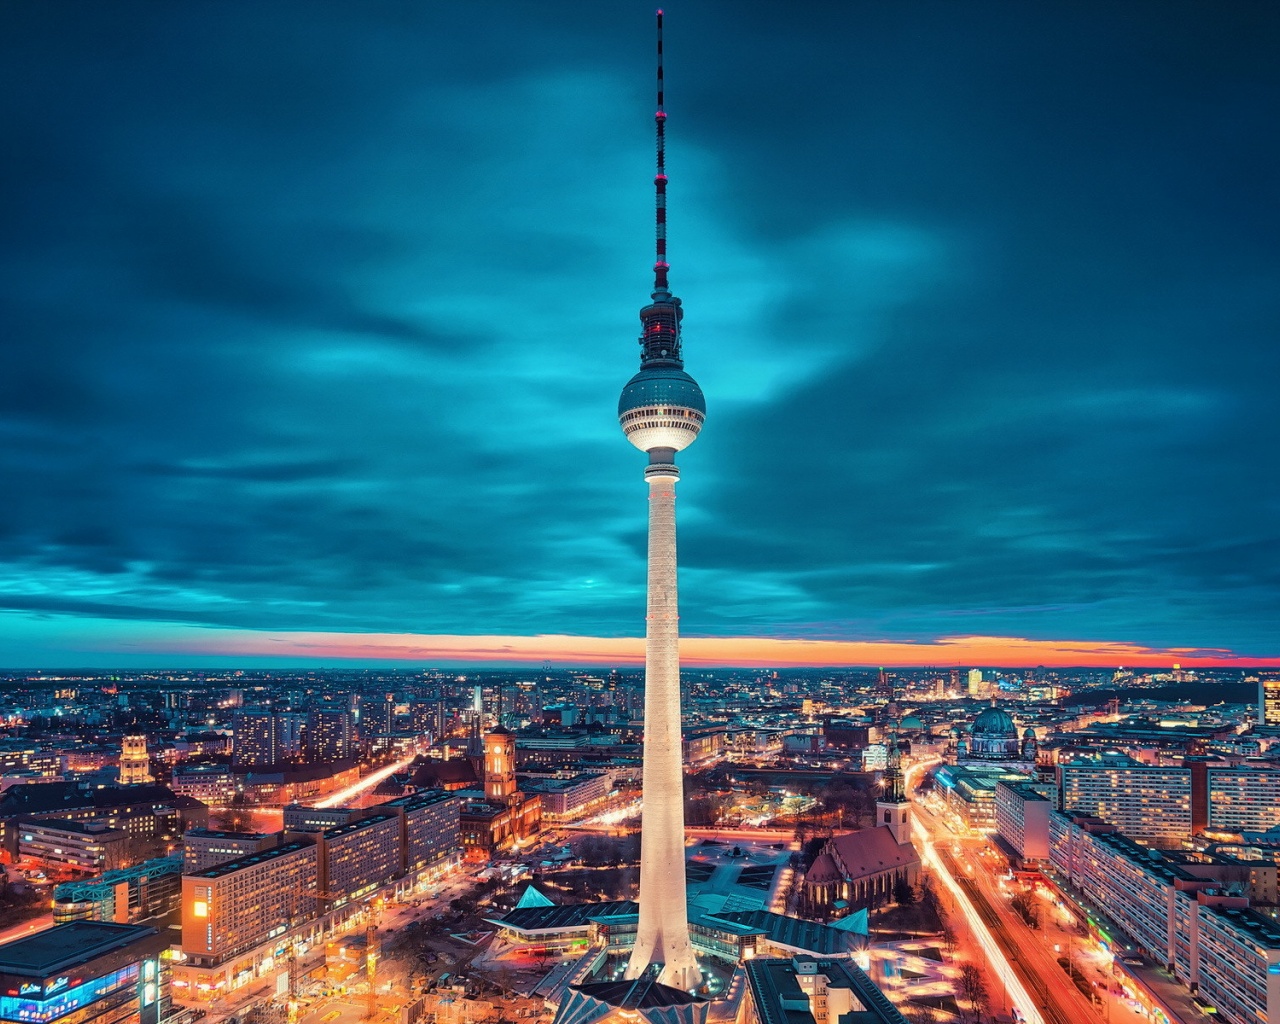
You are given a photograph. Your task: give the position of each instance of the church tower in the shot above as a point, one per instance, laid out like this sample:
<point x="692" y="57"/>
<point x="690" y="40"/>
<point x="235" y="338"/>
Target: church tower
<point x="892" y="809"/>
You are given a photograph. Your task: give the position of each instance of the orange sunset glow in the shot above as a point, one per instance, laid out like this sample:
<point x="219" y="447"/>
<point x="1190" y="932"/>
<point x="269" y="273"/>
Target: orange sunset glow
<point x="695" y="651"/>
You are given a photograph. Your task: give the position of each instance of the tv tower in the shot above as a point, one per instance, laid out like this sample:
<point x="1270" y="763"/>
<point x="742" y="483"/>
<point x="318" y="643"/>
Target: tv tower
<point x="661" y="411"/>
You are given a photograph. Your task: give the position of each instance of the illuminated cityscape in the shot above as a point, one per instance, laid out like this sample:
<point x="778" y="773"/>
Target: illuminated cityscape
<point x="322" y="699"/>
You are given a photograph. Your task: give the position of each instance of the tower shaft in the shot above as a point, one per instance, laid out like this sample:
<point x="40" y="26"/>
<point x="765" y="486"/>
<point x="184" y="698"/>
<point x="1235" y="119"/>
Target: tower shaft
<point x="663" y="933"/>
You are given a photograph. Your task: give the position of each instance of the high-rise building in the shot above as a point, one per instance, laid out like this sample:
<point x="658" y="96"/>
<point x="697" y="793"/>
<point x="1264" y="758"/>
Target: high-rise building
<point x="1269" y="701"/>
<point x="257" y="742"/>
<point x="976" y="688"/>
<point x="135" y="765"/>
<point x="661" y="412"/>
<point x="1141" y="800"/>
<point x="330" y="734"/>
<point x="233" y="907"/>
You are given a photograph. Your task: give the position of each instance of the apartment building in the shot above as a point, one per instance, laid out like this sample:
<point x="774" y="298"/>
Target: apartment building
<point x="234" y="907"/>
<point x="1140" y="800"/>
<point x="1179" y="913"/>
<point x="204" y="848"/>
<point x="430" y="834"/>
<point x="361" y="856"/>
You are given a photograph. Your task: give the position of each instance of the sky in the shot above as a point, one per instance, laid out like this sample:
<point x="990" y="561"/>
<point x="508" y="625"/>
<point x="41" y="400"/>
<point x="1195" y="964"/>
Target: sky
<point x="313" y="319"/>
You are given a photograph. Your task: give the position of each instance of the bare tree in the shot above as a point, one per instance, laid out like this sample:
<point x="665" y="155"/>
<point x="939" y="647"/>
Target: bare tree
<point x="975" y="991"/>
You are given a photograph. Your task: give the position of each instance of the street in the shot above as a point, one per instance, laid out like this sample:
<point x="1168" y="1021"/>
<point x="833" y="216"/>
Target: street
<point x="1033" y="955"/>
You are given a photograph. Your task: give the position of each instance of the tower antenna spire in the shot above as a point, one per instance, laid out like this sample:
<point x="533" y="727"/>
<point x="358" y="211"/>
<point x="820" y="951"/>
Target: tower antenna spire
<point x="660" y="265"/>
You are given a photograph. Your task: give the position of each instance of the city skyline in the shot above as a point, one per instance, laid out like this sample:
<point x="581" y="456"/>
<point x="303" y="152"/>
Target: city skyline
<point x="984" y="296"/>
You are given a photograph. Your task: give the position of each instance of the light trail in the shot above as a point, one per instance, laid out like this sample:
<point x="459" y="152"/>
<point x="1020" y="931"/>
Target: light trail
<point x="370" y="780"/>
<point x="1018" y="993"/>
<point x="995" y="957"/>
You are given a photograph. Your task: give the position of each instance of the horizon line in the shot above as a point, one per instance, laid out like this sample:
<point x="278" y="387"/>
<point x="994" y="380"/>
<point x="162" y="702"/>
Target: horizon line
<point x="188" y="645"/>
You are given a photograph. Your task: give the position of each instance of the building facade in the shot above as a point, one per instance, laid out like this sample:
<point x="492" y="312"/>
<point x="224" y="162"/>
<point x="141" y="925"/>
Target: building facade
<point x="204" y="848"/>
<point x="234" y="907"/>
<point x="1141" y="800"/>
<point x="89" y="972"/>
<point x="257" y="740"/>
<point x="1022" y="820"/>
<point x="88" y="848"/>
<point x="1179" y="914"/>
<point x="150" y="889"/>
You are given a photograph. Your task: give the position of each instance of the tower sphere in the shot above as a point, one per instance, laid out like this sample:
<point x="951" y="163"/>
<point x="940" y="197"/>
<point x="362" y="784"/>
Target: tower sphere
<point x="661" y="407"/>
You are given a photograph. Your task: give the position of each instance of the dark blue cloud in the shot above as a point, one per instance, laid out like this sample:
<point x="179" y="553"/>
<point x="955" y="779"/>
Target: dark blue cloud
<point x="315" y="317"/>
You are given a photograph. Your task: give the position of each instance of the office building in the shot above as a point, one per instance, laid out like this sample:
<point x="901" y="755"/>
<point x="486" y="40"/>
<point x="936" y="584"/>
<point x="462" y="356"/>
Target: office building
<point x="81" y="847"/>
<point x="89" y="972"/>
<point x="153" y="815"/>
<point x="1269" y="700"/>
<point x="564" y="799"/>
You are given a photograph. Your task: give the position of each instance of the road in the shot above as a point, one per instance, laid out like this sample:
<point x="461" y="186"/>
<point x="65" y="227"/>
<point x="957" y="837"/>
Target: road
<point x="1029" y="954"/>
<point x="342" y="796"/>
<point x="29" y="927"/>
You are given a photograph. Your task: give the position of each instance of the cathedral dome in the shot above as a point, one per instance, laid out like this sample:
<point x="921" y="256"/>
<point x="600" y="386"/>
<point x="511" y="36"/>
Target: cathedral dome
<point x="994" y="722"/>
<point x="994" y="737"/>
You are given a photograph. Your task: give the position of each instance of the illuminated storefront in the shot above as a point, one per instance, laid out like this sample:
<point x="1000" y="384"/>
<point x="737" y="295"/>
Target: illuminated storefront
<point x="86" y="972"/>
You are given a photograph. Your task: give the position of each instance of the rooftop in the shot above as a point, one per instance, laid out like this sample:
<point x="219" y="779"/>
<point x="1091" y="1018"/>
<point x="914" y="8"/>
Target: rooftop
<point x="356" y="826"/>
<point x="213" y="833"/>
<point x="67" y="945"/>
<point x="776" y="992"/>
<point x="416" y="801"/>
<point x="217" y="871"/>
<point x="809" y="936"/>
<point x="573" y="915"/>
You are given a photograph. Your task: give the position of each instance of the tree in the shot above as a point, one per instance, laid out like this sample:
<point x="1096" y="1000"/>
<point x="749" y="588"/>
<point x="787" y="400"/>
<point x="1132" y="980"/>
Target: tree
<point x="950" y="941"/>
<point x="1026" y="909"/>
<point x="903" y="894"/>
<point x="975" y="991"/>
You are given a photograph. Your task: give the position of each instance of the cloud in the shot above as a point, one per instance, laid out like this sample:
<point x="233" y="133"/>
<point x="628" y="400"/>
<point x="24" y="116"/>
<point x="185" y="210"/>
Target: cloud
<point x="319" y="327"/>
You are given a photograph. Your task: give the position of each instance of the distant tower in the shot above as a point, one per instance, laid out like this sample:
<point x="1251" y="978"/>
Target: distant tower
<point x="475" y="743"/>
<point x="892" y="809"/>
<point x="135" y="765"/>
<point x="1268" y="701"/>
<point x="499" y="766"/>
<point x="661" y="411"/>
